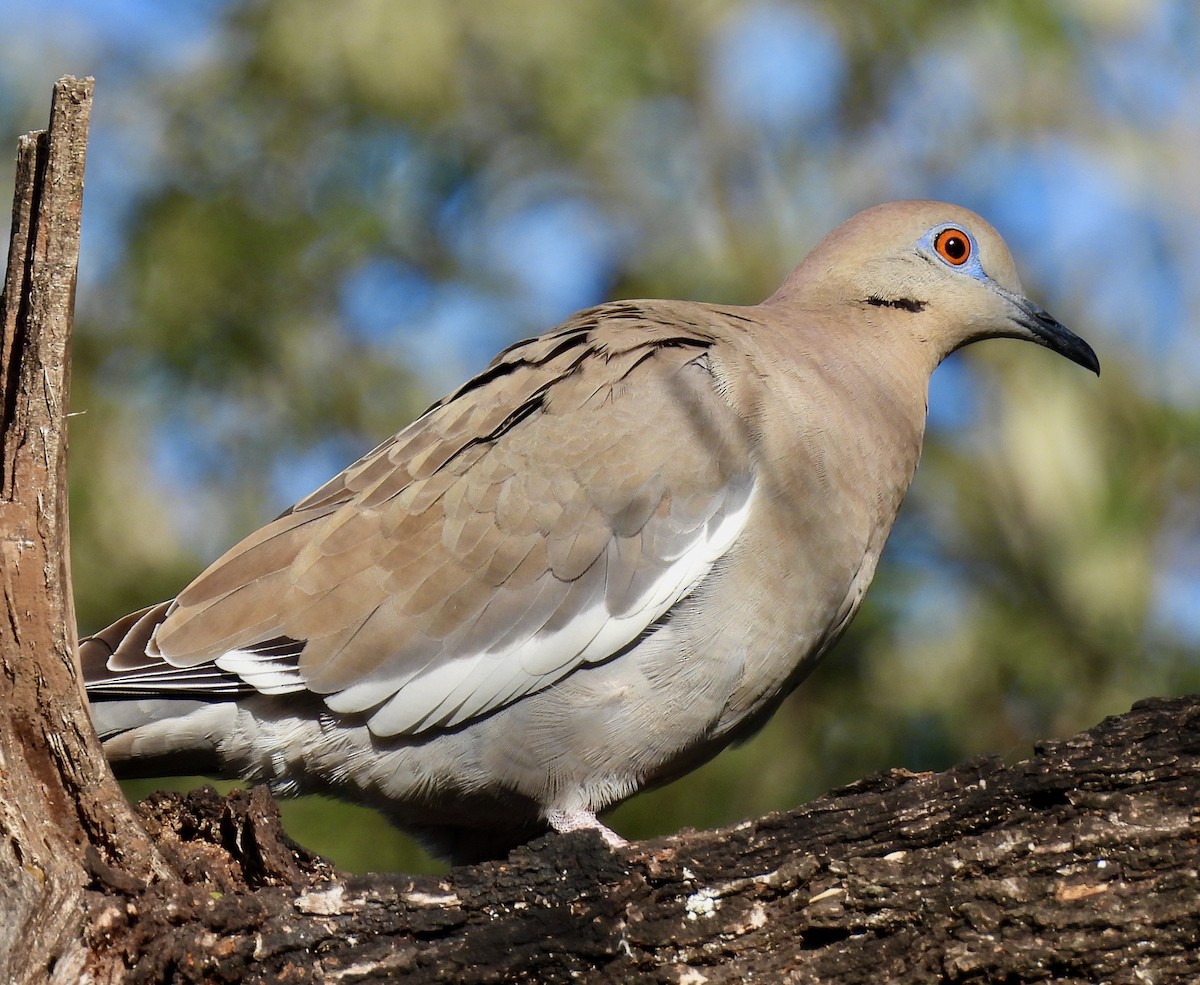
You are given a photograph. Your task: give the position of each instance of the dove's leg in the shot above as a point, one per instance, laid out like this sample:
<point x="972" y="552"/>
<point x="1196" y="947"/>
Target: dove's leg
<point x="580" y="819"/>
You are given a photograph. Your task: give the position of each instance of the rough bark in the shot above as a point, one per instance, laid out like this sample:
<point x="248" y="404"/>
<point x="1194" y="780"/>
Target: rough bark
<point x="1076" y="865"/>
<point x="59" y="806"/>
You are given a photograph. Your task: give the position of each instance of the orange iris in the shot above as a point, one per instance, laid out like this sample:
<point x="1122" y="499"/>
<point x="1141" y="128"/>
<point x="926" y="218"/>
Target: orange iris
<point x="953" y="246"/>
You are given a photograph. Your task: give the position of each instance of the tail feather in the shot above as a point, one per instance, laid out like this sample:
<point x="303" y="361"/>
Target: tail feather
<point x="118" y="663"/>
<point x="124" y="645"/>
<point x="152" y="737"/>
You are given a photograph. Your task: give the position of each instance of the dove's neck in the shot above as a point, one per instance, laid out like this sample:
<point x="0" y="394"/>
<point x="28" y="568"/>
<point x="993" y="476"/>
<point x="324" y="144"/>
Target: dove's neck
<point x="837" y="401"/>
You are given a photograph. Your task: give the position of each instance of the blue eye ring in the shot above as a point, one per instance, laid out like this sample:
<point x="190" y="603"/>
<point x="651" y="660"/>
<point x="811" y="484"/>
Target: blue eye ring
<point x="953" y="245"/>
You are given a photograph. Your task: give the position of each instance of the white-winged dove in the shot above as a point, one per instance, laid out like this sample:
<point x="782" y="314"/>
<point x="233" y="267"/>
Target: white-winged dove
<point x="587" y="570"/>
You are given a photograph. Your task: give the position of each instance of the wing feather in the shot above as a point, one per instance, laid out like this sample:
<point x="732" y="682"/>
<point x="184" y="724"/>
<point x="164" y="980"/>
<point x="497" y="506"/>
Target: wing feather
<point x="541" y="518"/>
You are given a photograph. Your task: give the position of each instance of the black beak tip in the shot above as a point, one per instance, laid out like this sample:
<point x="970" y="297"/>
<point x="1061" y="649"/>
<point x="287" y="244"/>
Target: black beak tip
<point x="1051" y="333"/>
<point x="1083" y="354"/>
<point x="1092" y="362"/>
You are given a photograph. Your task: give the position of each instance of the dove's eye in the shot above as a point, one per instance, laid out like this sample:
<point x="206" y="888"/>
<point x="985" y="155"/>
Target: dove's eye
<point x="953" y="246"/>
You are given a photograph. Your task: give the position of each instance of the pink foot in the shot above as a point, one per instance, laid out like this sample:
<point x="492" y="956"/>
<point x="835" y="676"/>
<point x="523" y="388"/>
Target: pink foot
<point x="583" y="820"/>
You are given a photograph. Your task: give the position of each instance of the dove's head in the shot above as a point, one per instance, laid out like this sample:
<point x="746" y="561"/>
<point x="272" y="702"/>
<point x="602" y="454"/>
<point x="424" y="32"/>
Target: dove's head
<point x="943" y="269"/>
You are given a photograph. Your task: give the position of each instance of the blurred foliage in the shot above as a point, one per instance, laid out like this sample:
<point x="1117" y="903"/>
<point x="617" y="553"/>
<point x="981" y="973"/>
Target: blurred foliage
<point x="323" y="215"/>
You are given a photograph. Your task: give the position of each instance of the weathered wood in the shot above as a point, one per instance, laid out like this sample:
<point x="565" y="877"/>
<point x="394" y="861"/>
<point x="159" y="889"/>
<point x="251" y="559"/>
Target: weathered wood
<point x="58" y="802"/>
<point x="1076" y="865"/>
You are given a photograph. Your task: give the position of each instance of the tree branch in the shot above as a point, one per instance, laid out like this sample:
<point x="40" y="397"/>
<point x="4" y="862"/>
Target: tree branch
<point x="1076" y="865"/>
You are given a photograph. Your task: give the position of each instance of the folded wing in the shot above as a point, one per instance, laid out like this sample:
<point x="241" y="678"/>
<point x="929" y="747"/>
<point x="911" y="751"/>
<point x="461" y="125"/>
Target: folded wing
<point x="541" y="518"/>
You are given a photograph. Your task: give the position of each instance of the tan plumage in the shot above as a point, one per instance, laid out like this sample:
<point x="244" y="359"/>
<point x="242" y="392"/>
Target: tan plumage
<point x="589" y="568"/>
